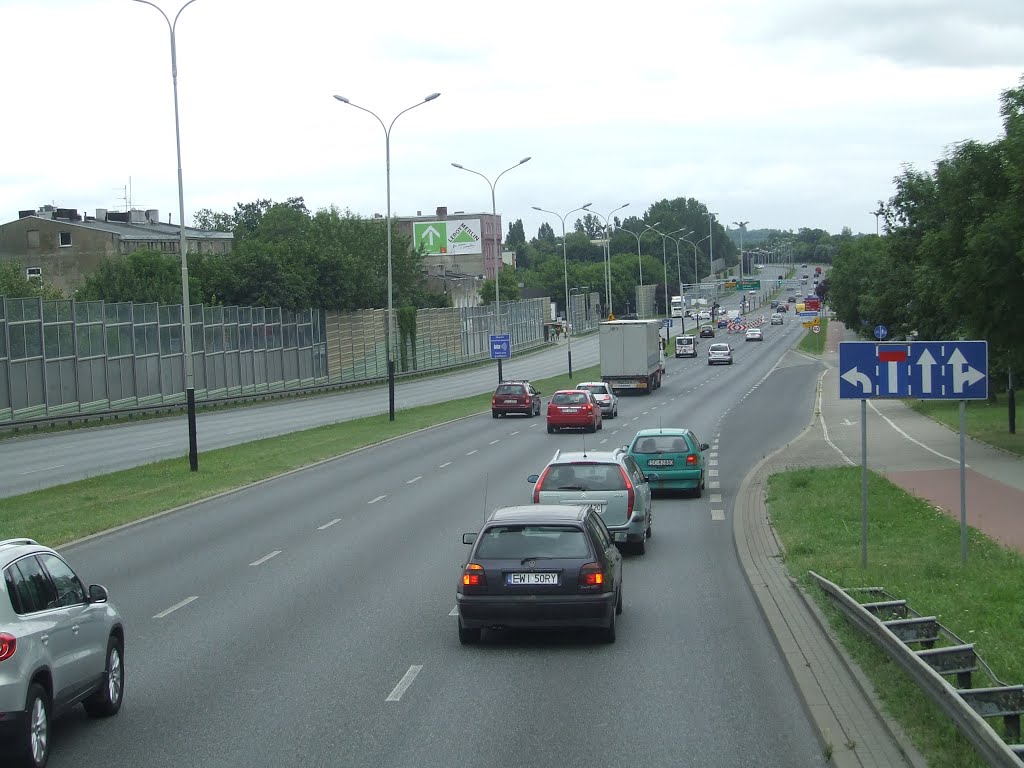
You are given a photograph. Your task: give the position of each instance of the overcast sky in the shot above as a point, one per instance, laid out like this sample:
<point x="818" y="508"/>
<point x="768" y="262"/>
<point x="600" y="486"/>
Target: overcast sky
<point x="784" y="113"/>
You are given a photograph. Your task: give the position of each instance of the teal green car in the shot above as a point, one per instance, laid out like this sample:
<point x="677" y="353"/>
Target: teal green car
<point x="676" y="456"/>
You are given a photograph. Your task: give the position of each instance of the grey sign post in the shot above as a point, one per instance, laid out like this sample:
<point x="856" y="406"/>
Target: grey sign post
<point x="923" y="370"/>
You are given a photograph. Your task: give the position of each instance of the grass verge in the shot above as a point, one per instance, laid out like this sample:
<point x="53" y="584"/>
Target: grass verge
<point x="814" y="343"/>
<point x="914" y="554"/>
<point x="987" y="422"/>
<point x="54" y="516"/>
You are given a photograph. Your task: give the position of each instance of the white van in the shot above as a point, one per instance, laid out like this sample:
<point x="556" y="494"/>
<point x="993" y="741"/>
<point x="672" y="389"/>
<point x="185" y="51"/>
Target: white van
<point x="686" y="346"/>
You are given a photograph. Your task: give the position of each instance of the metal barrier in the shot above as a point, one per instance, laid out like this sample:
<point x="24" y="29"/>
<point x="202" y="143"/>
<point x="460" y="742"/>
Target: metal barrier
<point x="967" y="707"/>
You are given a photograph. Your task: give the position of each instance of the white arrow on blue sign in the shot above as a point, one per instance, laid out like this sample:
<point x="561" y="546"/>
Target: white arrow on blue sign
<point x="926" y="370"/>
<point x="501" y="346"/>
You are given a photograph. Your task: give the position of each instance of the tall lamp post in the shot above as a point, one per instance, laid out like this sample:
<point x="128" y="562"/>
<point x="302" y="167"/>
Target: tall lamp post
<point x="664" y="258"/>
<point x="608" y="228"/>
<point x="639" y="257"/>
<point x="711" y="245"/>
<point x="388" y="322"/>
<point x="876" y="214"/>
<point x="500" y="264"/>
<point x="186" y="307"/>
<point x="565" y="272"/>
<point x="696" y="279"/>
<point x="743" y="228"/>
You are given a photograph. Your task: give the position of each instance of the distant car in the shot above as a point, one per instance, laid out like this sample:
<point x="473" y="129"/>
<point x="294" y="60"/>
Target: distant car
<point x="629" y="316"/>
<point x="686" y="346"/>
<point x="539" y="566"/>
<point x="783" y="308"/>
<point x="754" y="334"/>
<point x="775" y="303"/>
<point x="719" y="354"/>
<point x="791" y="299"/>
<point x="752" y="292"/>
<point x="707" y="332"/>
<point x="723" y="322"/>
<point x="515" y="397"/>
<point x="675" y="455"/>
<point x="573" y="409"/>
<point x="703" y="315"/>
<point x="604" y="396"/>
<point x="61" y="644"/>
<point x="612" y="481"/>
<point x="776" y="319"/>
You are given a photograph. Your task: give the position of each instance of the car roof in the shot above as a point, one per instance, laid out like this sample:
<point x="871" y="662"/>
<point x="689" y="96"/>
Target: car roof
<point x="662" y="431"/>
<point x="596" y="457"/>
<point x="567" y="391"/>
<point x="539" y="513"/>
<point x="513" y="381"/>
<point x="12" y="549"/>
<point x="592" y="384"/>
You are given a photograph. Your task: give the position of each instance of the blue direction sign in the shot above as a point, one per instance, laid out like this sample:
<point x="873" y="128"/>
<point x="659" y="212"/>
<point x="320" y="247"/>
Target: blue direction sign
<point x="667" y="322"/>
<point x="501" y="346"/>
<point x="881" y="332"/>
<point x="926" y="370"/>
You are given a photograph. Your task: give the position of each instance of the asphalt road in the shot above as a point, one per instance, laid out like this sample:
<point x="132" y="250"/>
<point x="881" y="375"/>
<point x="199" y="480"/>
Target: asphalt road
<point x="306" y="620"/>
<point x="42" y="461"/>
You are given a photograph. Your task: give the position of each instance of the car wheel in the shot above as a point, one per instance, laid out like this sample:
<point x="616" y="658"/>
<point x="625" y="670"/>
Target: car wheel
<point x="699" y="490"/>
<point x="592" y="428"/>
<point x="600" y="424"/>
<point x="608" y="635"/>
<point x="468" y="636"/>
<point x="551" y="430"/>
<point x="618" y="602"/>
<point x="640" y="547"/>
<point x="107" y="700"/>
<point x="33" y="745"/>
<point x="494" y="414"/>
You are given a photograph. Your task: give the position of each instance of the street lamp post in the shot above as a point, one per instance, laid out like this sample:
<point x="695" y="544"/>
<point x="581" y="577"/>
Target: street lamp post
<point x="876" y="214"/>
<point x="743" y="228"/>
<point x="696" y="279"/>
<point x="711" y="245"/>
<point x="639" y="257"/>
<point x="388" y="322"/>
<point x="500" y="264"/>
<point x="664" y="258"/>
<point x="608" y="228"/>
<point x="186" y="307"/>
<point x="565" y="273"/>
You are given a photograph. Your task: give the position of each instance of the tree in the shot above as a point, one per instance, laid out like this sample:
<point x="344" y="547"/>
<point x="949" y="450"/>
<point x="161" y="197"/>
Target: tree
<point x="509" y="287"/>
<point x="142" y="276"/>
<point x="545" y="232"/>
<point x="14" y="284"/>
<point x="516" y="234"/>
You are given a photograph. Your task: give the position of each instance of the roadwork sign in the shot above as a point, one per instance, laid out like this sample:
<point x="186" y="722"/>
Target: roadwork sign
<point x="926" y="370"/>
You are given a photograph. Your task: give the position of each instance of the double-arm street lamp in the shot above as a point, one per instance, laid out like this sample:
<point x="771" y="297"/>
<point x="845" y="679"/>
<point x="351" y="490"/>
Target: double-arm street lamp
<point x="743" y="228"/>
<point x="389" y="320"/>
<point x="565" y="272"/>
<point x="186" y="307"/>
<point x="664" y="257"/>
<point x="711" y="245"/>
<point x="639" y="258"/>
<point x="608" y="229"/>
<point x="499" y="264"/>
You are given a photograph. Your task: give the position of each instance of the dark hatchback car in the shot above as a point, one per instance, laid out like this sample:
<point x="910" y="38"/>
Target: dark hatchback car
<point x="515" y="397"/>
<point x="540" y="566"/>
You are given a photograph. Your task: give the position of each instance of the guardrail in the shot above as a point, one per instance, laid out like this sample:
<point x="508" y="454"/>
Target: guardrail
<point x="893" y="625"/>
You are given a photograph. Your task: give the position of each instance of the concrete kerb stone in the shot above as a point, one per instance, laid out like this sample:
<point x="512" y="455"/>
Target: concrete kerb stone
<point x="804" y="638"/>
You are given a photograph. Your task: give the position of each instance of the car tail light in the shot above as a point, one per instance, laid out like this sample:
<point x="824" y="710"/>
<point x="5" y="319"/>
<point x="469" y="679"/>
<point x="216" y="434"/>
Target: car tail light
<point x="691" y="460"/>
<point x="8" y="645"/>
<point x="494" y="400"/>
<point x="592" y="577"/>
<point x="588" y="407"/>
<point x="539" y="483"/>
<point x="528" y="400"/>
<point x="473" y="576"/>
<point x="630" y="493"/>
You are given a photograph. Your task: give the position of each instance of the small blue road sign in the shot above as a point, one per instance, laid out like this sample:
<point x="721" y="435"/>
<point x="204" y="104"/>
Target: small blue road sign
<point x="666" y="322"/>
<point x="926" y="370"/>
<point x="501" y="346"/>
<point x="881" y="332"/>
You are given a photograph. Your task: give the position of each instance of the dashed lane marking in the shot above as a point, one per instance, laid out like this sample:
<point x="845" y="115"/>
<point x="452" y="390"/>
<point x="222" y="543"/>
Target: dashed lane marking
<point x="404" y="683"/>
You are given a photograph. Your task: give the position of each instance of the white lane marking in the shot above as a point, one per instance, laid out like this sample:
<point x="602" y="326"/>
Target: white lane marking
<point x="645" y="413"/>
<point x="493" y="442"/>
<point x="264" y="559"/>
<point x="824" y="426"/>
<point x="636" y="418"/>
<point x="325" y="526"/>
<point x="414" y="480"/>
<point x="892" y="424"/>
<point x="510" y="434"/>
<point x="446" y="464"/>
<point x="848" y="423"/>
<point x="713" y="473"/>
<point x="404" y="683"/>
<point x="713" y="454"/>
<point x="532" y="426"/>
<point x="605" y="440"/>
<point x="714" y="484"/>
<point x="158" y="445"/>
<point x="176" y="606"/>
<point x="41" y="469"/>
<point x="379" y="498"/>
<point x="454" y="611"/>
<point x="717" y="514"/>
<point x="712" y="462"/>
<point x="471" y="452"/>
<point x="716" y="498"/>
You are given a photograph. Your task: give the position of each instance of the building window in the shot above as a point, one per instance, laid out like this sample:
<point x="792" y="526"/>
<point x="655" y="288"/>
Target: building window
<point x="34" y="273"/>
<point x="65" y="239"/>
<point x="33" y="238"/>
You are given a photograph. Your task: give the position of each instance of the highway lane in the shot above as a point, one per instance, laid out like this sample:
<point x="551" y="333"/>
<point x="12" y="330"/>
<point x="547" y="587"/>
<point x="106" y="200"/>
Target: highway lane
<point x="290" y="658"/>
<point x="42" y="461"/>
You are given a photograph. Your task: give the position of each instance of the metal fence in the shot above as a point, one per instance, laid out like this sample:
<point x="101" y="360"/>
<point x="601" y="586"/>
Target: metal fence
<point x="65" y="357"/>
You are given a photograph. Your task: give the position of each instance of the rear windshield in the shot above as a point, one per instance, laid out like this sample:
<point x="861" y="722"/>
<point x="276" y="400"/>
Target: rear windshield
<point x="583" y="477"/>
<point x="569" y="398"/>
<point x="600" y="389"/>
<point x="519" y="542"/>
<point x="686" y="341"/>
<point x="509" y="389"/>
<point x="655" y="444"/>
<point x="719" y="348"/>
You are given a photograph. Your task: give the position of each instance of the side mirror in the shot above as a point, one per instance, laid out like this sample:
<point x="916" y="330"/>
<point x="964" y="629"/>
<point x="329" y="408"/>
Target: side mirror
<point x="532" y="478"/>
<point x="704" y="446"/>
<point x="97" y="594"/>
<point x="625" y="448"/>
<point x="468" y="538"/>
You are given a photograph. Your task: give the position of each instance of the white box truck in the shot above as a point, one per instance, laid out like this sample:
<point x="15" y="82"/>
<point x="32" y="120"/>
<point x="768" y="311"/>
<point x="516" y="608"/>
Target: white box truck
<point x="631" y="355"/>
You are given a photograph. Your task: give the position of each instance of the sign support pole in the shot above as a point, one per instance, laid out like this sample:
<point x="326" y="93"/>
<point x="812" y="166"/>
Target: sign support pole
<point x="864" y="483"/>
<point x="963" y="483"/>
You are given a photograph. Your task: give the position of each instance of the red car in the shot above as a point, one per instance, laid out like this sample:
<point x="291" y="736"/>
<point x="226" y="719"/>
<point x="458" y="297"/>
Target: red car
<point x="574" y="409"/>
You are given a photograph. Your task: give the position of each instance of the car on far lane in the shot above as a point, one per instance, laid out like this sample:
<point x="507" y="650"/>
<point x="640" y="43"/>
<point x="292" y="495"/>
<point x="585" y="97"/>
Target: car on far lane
<point x="573" y="409"/>
<point x="754" y="334"/>
<point x="540" y="566"/>
<point x="723" y="322"/>
<point x="707" y="332"/>
<point x="776" y="319"/>
<point x="604" y="396"/>
<point x="515" y="397"/>
<point x="719" y="354"/>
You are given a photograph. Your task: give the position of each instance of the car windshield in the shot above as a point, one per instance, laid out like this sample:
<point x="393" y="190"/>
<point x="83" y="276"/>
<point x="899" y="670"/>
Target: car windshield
<point x="583" y="477"/>
<point x="654" y="444"/>
<point x="718" y="348"/>
<point x="521" y="542"/>
<point x="509" y="389"/>
<point x="597" y="389"/>
<point x="569" y="398"/>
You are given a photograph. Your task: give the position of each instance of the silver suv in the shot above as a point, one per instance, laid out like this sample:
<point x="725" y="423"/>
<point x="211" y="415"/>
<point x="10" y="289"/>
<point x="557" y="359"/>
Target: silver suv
<point x="60" y="644"/>
<point x="612" y="481"/>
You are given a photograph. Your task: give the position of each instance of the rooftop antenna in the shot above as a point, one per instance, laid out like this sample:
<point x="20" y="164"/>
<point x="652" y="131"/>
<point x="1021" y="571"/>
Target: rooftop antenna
<point x="487" y="477"/>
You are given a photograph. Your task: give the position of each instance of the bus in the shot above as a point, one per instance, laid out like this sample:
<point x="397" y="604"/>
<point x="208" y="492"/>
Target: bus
<point x="677" y="306"/>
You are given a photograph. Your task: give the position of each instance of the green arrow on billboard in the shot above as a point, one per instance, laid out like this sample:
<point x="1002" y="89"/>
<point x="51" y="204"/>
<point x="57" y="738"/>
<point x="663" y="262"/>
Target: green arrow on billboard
<point x="430" y="236"/>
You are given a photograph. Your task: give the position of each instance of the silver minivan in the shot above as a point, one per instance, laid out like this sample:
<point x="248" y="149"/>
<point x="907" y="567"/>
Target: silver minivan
<point x="612" y="481"/>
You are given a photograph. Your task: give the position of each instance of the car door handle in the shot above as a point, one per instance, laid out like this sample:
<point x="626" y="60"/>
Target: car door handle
<point x="74" y="628"/>
<point x="44" y="639"/>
